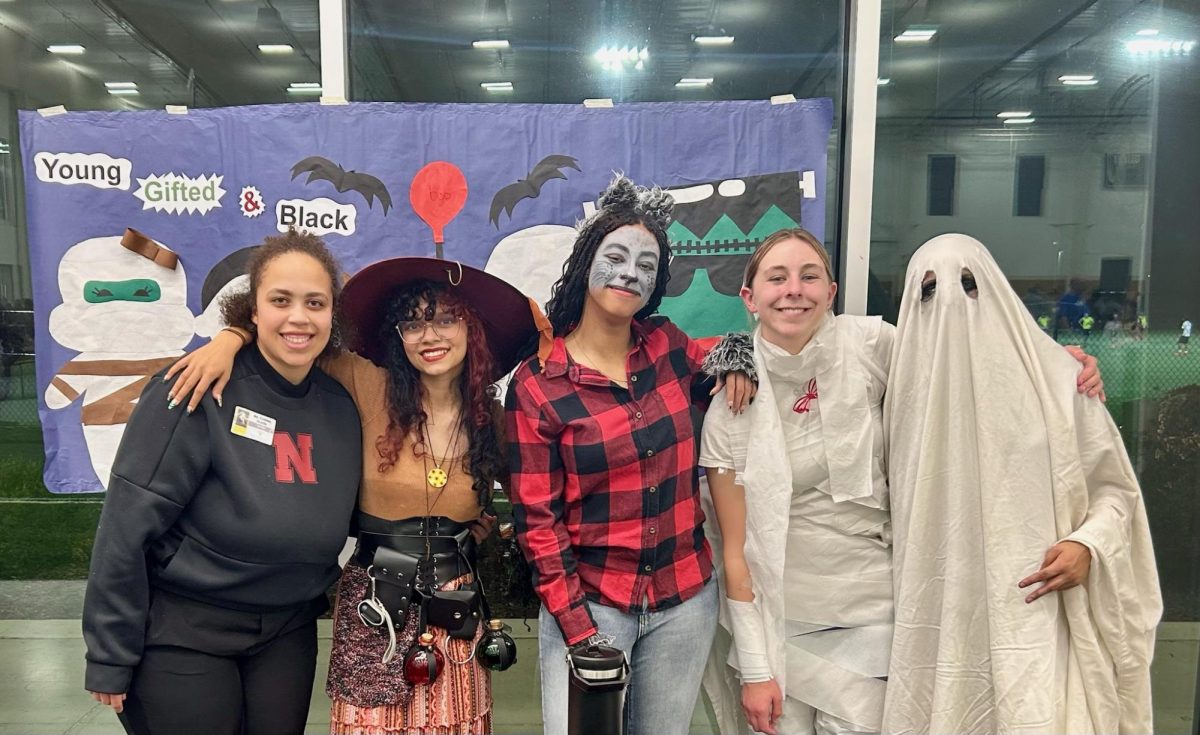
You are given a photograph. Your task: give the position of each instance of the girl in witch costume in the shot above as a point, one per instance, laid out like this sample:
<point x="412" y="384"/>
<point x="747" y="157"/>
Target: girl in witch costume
<point x="603" y="425"/>
<point x="434" y="335"/>
<point x="800" y="490"/>
<point x="222" y="525"/>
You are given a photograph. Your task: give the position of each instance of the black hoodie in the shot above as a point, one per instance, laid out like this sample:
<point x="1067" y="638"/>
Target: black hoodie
<point x="198" y="510"/>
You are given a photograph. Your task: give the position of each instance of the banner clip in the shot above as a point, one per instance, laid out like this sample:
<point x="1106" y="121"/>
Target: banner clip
<point x="598" y="102"/>
<point x="783" y="99"/>
<point x="52" y="111"/>
<point x="176" y="109"/>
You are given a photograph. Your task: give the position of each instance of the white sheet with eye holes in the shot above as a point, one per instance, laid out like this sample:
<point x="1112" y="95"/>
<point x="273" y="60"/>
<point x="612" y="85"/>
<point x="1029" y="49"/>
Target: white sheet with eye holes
<point x="993" y="458"/>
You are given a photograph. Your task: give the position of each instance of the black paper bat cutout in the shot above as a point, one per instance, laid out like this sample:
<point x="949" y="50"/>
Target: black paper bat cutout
<point x="343" y="180"/>
<point x="529" y="187"/>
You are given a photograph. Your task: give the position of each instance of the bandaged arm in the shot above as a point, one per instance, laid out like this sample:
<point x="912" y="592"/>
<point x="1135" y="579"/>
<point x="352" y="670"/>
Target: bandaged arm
<point x="749" y="639"/>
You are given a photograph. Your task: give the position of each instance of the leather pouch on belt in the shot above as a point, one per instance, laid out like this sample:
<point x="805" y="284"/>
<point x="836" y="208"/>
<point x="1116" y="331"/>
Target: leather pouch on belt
<point x="395" y="572"/>
<point x="457" y="611"/>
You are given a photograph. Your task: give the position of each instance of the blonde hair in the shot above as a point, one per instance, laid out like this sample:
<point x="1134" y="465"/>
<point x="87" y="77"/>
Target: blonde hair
<point x="790" y="233"/>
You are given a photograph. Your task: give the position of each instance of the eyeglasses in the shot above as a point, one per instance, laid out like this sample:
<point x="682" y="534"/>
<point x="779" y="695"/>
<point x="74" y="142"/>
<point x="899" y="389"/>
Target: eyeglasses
<point x="444" y="326"/>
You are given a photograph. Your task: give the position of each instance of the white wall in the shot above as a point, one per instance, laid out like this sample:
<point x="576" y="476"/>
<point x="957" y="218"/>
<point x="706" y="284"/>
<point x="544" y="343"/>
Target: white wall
<point x="1079" y="216"/>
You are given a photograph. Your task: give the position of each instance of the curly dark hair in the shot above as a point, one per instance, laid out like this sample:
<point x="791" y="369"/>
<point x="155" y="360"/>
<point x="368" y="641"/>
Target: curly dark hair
<point x="486" y="463"/>
<point x="238" y="309"/>
<point x="565" y="307"/>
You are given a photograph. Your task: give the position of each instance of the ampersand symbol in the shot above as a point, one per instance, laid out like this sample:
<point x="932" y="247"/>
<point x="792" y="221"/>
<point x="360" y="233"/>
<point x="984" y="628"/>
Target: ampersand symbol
<point x="248" y="203"/>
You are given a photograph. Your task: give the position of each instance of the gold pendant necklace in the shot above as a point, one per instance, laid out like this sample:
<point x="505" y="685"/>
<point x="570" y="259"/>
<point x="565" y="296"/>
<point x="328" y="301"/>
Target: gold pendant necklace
<point x="437" y="477"/>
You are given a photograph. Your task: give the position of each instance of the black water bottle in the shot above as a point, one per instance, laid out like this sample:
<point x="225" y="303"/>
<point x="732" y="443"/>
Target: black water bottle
<point x="596" y="699"/>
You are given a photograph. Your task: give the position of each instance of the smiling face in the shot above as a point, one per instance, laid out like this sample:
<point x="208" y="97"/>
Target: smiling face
<point x="624" y="270"/>
<point x="791" y="293"/>
<point x="293" y="313"/>
<point x="441" y="349"/>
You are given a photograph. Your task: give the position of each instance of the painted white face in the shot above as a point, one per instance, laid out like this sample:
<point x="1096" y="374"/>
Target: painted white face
<point x="625" y="267"/>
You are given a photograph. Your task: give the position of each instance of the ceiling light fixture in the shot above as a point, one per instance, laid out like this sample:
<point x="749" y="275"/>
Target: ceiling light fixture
<point x="615" y="59"/>
<point x="121" y="85"/>
<point x="124" y="91"/>
<point x="495" y="43"/>
<point x="1080" y="82"/>
<point x="1076" y="77"/>
<point x="1147" y="32"/>
<point x="1159" y="47"/>
<point x="882" y="82"/>
<point x="66" y="48"/>
<point x="694" y="82"/>
<point x="917" y="34"/>
<point x="497" y="86"/>
<point x="275" y="48"/>
<point x="713" y="40"/>
<point x="1019" y="120"/>
<point x="1013" y="114"/>
<point x="304" y="88"/>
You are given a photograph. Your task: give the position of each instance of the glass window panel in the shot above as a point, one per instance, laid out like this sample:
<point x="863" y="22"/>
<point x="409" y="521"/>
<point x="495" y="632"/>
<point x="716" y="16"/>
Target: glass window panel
<point x="565" y="52"/>
<point x="1082" y="113"/>
<point x="130" y="55"/>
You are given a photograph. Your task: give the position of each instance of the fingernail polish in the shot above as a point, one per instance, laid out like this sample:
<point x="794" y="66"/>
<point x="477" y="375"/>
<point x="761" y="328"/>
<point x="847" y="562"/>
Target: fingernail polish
<point x="189" y="410"/>
<point x="171" y="405"/>
<point x="218" y="400"/>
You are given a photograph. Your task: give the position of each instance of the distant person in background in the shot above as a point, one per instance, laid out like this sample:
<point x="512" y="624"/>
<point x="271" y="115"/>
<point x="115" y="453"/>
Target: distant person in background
<point x="1137" y="329"/>
<point x="1113" y="327"/>
<point x="1071" y="308"/>
<point x="1185" y="334"/>
<point x="1087" y="322"/>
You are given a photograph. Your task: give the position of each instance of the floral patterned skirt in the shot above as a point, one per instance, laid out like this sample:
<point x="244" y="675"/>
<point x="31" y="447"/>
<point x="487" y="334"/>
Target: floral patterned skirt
<point x="371" y="697"/>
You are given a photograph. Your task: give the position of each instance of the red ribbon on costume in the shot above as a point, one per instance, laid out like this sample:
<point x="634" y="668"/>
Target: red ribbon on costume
<point x="810" y="395"/>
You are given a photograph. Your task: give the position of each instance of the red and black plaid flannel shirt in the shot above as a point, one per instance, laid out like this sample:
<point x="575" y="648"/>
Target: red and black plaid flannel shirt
<point x="604" y="482"/>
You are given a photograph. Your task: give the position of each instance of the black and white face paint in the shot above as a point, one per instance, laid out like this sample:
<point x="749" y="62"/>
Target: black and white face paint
<point x="626" y="262"/>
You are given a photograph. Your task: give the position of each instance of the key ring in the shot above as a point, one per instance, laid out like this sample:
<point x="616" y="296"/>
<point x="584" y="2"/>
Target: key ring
<point x="467" y="660"/>
<point x="376" y="615"/>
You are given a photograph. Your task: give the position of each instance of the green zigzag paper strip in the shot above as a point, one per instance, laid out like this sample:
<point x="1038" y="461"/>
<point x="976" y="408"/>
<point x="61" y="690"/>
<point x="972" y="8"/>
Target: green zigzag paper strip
<point x="725" y="230"/>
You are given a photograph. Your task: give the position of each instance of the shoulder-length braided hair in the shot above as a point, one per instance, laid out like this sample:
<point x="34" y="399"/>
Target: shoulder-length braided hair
<point x="565" y="307"/>
<point x="406" y="416"/>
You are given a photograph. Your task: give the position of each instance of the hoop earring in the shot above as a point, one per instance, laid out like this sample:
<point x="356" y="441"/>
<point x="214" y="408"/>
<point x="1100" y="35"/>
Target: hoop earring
<point x="450" y="277"/>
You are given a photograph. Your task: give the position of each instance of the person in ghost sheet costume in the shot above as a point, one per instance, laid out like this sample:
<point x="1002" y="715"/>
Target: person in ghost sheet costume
<point x="800" y="492"/>
<point x="1026" y="589"/>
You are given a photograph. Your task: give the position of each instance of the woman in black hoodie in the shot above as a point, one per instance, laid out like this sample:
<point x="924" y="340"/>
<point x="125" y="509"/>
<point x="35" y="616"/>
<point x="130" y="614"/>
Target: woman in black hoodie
<point x="221" y="528"/>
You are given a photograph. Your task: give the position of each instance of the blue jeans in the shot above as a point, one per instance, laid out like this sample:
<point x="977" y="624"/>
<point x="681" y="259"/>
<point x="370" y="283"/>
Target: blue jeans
<point x="667" y="651"/>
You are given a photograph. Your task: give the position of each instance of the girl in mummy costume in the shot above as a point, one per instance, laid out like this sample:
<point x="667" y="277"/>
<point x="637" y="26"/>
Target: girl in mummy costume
<point x="1026" y="590"/>
<point x="800" y="489"/>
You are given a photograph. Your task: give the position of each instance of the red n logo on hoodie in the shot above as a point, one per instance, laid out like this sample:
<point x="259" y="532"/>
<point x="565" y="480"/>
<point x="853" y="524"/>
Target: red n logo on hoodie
<point x="294" y="456"/>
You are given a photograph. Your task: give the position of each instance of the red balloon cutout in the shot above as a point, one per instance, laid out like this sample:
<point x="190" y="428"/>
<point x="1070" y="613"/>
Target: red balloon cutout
<point x="438" y="193"/>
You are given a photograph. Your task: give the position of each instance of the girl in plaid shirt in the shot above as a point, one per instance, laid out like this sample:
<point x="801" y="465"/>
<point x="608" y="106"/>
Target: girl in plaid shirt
<point x="603" y="429"/>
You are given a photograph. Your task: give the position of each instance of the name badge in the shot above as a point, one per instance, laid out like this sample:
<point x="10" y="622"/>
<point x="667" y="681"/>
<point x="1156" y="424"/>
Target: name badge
<point x="253" y="425"/>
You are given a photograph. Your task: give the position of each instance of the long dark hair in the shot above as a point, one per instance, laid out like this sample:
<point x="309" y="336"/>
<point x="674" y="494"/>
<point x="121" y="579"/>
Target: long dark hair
<point x="406" y="415"/>
<point x="565" y="307"/>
